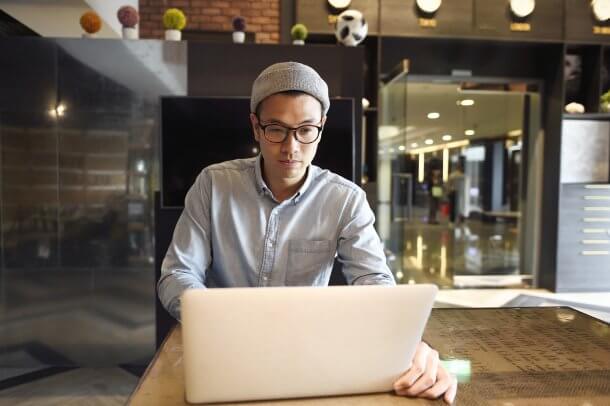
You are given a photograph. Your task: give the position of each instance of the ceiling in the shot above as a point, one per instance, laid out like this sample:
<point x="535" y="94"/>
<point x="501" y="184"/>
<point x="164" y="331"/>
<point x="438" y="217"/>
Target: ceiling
<point x="406" y="105"/>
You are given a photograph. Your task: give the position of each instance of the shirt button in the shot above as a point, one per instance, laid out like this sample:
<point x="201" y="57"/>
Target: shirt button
<point x="265" y="278"/>
<point x="269" y="244"/>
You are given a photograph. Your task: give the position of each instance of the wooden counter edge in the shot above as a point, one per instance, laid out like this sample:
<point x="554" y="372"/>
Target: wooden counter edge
<point x="151" y="364"/>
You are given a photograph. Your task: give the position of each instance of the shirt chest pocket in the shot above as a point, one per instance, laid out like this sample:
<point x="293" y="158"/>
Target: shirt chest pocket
<point x="309" y="262"/>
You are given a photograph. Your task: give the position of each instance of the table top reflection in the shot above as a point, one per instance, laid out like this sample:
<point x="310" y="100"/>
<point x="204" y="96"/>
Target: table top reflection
<point x="507" y="356"/>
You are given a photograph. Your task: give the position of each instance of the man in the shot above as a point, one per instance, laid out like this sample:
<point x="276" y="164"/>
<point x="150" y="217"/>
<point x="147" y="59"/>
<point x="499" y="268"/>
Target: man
<point x="277" y="220"/>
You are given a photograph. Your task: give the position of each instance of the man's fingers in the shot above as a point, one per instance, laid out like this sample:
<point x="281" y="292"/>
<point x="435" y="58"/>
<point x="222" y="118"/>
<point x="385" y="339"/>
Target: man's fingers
<point x="428" y="378"/>
<point x="445" y="384"/>
<point x="449" y="396"/>
<point x="417" y="368"/>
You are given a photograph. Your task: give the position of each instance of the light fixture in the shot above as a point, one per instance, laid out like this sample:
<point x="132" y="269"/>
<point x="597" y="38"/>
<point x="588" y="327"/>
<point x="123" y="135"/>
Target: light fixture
<point x="57" y="111"/>
<point x="429" y="142"/>
<point x="469" y="132"/>
<point x="601" y="9"/>
<point x="447" y="137"/>
<point x="522" y="8"/>
<point x="466" y="102"/>
<point x="429" y="6"/>
<point x="414" y="145"/>
<point x="434" y="115"/>
<point x="515" y="133"/>
<point x="339" y="4"/>
<point x="401" y="148"/>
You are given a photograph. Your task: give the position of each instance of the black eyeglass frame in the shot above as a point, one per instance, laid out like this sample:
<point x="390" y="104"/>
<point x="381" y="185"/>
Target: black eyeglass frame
<point x="288" y="131"/>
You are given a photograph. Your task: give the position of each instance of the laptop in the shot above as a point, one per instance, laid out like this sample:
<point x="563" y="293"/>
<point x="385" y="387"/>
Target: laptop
<point x="245" y="344"/>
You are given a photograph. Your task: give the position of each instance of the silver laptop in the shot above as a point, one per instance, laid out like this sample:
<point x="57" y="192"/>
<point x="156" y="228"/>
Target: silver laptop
<point x="288" y="342"/>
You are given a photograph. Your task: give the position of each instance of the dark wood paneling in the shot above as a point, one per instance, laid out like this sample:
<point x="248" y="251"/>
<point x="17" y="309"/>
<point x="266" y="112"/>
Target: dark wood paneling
<point x="553" y="103"/>
<point x="492" y="18"/>
<point x="580" y="21"/>
<point x="401" y="18"/>
<point x="314" y="14"/>
<point x="435" y="56"/>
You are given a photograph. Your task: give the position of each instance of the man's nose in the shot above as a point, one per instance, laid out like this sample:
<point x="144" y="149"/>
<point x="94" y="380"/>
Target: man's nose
<point x="291" y="144"/>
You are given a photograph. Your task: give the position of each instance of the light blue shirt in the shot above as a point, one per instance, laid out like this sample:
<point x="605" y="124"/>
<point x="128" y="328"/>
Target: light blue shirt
<point x="234" y="233"/>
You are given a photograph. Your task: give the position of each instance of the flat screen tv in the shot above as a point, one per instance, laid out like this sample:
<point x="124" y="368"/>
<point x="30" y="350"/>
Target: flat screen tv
<point x="200" y="131"/>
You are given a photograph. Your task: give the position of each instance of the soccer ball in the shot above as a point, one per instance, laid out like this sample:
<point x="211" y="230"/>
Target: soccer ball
<point x="351" y="28"/>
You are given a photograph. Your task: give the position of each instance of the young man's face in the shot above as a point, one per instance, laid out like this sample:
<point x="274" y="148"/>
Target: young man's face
<point x="288" y="160"/>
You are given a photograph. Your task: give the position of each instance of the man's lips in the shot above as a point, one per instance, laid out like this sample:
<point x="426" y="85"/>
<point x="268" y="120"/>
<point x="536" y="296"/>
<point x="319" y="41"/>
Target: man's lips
<point x="289" y="162"/>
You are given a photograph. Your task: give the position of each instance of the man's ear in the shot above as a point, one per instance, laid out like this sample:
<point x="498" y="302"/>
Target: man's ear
<point x="254" y="123"/>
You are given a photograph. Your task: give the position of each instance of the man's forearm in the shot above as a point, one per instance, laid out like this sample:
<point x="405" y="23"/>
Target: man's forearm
<point x="170" y="288"/>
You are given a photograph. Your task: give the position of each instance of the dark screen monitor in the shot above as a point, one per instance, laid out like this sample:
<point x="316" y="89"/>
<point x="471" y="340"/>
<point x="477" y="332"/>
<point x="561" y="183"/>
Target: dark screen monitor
<point x="200" y="131"/>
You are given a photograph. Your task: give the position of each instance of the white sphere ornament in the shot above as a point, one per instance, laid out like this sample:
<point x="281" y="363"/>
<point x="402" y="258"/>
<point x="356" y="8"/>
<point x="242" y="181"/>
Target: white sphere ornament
<point x="429" y="6"/>
<point x="601" y="9"/>
<point x="522" y="8"/>
<point x="351" y="28"/>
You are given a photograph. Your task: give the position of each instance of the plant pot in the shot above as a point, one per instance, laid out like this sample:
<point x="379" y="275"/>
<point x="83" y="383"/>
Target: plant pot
<point x="173" y="35"/>
<point x="130" y="33"/>
<point x="298" y="42"/>
<point x="239" y="37"/>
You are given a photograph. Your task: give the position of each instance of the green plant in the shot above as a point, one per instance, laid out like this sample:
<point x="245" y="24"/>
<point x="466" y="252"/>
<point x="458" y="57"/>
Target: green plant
<point x="605" y="98"/>
<point x="174" y="19"/>
<point x="298" y="32"/>
<point x="239" y="23"/>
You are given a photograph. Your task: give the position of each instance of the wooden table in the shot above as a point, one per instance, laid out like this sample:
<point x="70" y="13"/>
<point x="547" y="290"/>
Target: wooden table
<point x="505" y="357"/>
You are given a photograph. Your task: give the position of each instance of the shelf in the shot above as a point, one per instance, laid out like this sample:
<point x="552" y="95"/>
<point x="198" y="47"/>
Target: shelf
<point x="587" y="116"/>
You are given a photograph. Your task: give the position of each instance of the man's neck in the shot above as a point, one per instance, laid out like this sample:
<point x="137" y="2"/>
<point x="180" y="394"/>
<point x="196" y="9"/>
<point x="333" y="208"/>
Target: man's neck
<point x="283" y="188"/>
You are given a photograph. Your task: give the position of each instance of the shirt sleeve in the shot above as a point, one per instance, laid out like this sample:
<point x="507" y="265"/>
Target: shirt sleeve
<point x="189" y="254"/>
<point x="359" y="248"/>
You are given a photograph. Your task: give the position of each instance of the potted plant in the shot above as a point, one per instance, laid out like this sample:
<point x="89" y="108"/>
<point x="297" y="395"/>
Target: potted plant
<point x="91" y="24"/>
<point x="239" y="26"/>
<point x="298" y="32"/>
<point x="173" y="21"/>
<point x="604" y="102"/>
<point x="128" y="17"/>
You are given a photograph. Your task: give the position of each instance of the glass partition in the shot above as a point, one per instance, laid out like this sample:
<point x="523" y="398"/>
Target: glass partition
<point x="451" y="171"/>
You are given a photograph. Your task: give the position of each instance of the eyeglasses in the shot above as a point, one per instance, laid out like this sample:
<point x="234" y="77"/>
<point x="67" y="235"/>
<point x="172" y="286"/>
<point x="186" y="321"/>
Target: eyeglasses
<point x="305" y="134"/>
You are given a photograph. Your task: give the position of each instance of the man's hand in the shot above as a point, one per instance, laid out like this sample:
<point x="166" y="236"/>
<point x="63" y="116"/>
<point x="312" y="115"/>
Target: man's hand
<point x="427" y="378"/>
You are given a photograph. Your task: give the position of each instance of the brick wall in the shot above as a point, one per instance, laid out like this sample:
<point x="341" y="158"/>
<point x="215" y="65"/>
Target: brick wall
<point x="262" y="16"/>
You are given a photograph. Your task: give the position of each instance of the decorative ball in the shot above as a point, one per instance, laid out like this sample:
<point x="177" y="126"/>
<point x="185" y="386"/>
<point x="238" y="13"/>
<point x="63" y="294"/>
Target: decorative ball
<point x="174" y="19"/>
<point x="91" y="22"/>
<point x="239" y="23"/>
<point x="128" y="16"/>
<point x="351" y="28"/>
<point x="299" y="32"/>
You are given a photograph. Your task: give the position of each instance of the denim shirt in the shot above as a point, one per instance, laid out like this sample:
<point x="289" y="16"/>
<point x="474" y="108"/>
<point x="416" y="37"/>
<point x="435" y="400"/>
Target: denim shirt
<point x="234" y="233"/>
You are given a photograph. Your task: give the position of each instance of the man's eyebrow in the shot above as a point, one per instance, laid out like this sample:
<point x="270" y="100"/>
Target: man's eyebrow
<point x="276" y="121"/>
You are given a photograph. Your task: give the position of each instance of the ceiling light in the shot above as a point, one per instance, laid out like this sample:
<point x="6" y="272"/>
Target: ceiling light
<point x="434" y="115"/>
<point x="466" y="102"/>
<point x="401" y="148"/>
<point x="469" y="132"/>
<point x="429" y="142"/>
<point x="515" y="133"/>
<point x="414" y="145"/>
<point x="447" y="137"/>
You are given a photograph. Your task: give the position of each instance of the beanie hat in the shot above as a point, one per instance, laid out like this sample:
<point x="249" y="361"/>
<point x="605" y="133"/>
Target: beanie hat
<point x="287" y="76"/>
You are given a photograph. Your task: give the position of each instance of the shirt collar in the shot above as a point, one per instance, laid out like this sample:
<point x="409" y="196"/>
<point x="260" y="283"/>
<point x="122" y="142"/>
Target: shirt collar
<point x="264" y="189"/>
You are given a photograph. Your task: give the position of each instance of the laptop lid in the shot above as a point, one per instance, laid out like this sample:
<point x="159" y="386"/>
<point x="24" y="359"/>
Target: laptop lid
<point x="286" y="342"/>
